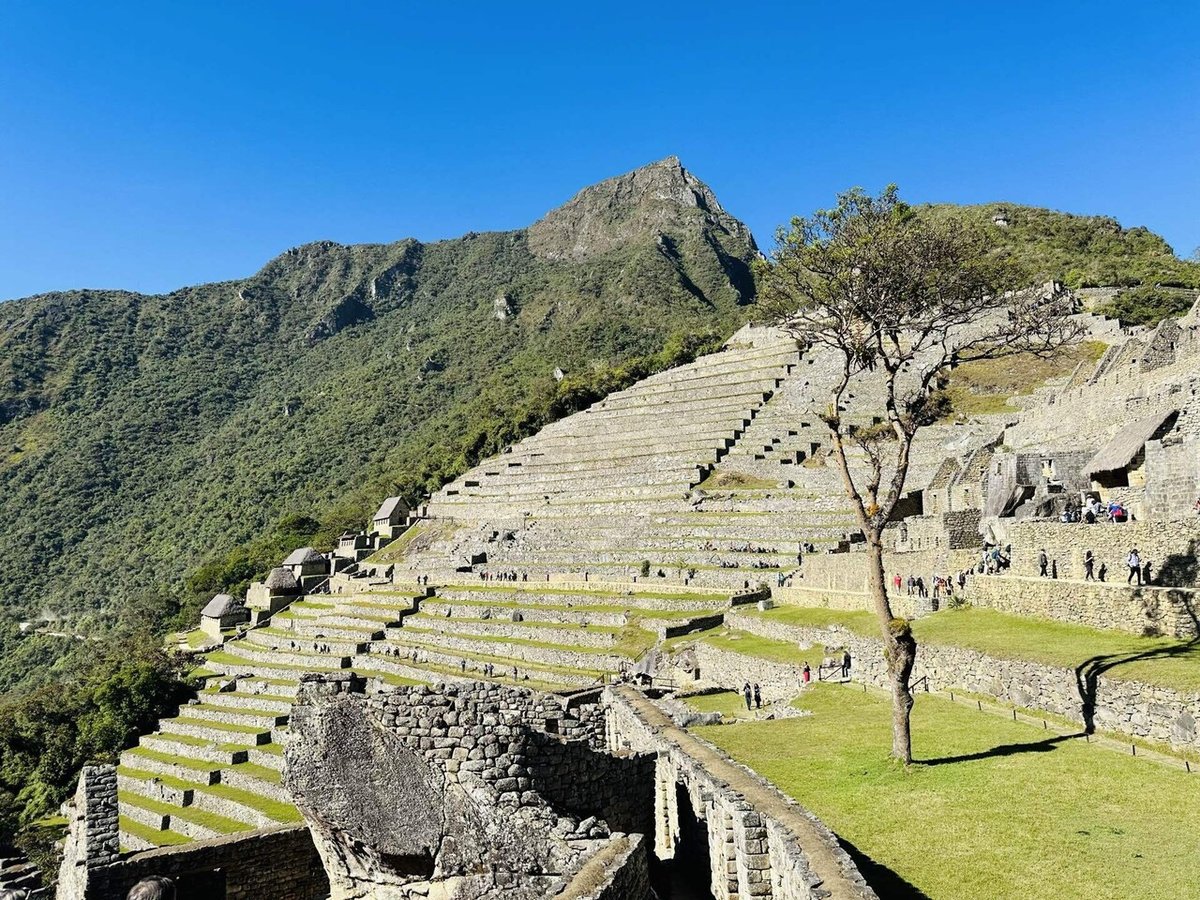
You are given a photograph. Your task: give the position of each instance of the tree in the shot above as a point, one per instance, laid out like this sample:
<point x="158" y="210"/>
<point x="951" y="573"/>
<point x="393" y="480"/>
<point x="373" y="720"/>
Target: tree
<point x="898" y="300"/>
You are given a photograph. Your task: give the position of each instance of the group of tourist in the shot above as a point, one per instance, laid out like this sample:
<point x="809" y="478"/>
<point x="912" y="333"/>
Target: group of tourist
<point x="485" y="575"/>
<point x="943" y="585"/>
<point x="1140" y="570"/>
<point x="1093" y="511"/>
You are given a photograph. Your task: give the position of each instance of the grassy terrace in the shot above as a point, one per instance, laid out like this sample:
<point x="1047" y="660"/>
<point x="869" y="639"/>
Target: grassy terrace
<point x="631" y="644"/>
<point x="201" y="817"/>
<point x="992" y="809"/>
<point x="550" y="589"/>
<point x="634" y="612"/>
<point x="1168" y="662"/>
<point x="750" y="645"/>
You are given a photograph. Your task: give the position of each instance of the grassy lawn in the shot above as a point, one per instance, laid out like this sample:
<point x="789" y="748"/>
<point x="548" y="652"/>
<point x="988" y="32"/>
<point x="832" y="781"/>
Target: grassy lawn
<point x="1164" y="661"/>
<point x="995" y="810"/>
<point x="766" y="648"/>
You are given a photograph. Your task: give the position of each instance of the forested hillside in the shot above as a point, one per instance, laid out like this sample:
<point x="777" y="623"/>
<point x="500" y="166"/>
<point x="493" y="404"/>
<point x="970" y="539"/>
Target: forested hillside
<point x="156" y="449"/>
<point x="144" y="436"/>
<point x="1081" y="251"/>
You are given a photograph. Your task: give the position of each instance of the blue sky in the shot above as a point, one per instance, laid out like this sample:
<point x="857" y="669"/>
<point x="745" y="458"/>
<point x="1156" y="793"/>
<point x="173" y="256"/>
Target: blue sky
<point x="149" y="146"/>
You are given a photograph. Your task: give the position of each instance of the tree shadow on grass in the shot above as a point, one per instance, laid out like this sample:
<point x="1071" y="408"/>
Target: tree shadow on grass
<point x="1088" y="672"/>
<point x="886" y="883"/>
<point x="1043" y="746"/>
<point x="1179" y="570"/>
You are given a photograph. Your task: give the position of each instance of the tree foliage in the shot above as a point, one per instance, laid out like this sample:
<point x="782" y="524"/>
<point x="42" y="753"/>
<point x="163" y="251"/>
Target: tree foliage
<point x="118" y="689"/>
<point x="898" y="299"/>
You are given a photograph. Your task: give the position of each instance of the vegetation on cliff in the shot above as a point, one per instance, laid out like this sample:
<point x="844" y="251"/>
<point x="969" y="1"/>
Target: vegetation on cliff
<point x="1080" y="251"/>
<point x="146" y="439"/>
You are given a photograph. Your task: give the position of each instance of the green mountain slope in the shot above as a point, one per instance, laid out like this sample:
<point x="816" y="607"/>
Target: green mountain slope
<point x="141" y="436"/>
<point x="1081" y="251"/>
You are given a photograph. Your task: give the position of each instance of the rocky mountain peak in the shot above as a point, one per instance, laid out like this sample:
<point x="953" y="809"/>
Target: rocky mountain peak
<point x="660" y="198"/>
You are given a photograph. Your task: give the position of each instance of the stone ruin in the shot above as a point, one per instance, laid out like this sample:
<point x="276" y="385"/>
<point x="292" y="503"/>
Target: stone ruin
<point x="467" y="793"/>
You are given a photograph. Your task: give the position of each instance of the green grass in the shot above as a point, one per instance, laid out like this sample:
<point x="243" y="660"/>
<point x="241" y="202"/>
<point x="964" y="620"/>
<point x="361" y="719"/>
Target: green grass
<point x="862" y="622"/>
<point x="262" y="773"/>
<point x="634" y="611"/>
<point x="152" y="835"/>
<point x="1168" y="662"/>
<point x="169" y="780"/>
<point x="231" y="727"/>
<point x="194" y="765"/>
<point x="394" y="551"/>
<point x="764" y="648"/>
<point x="272" y="809"/>
<point x="201" y="817"/>
<point x="1017" y="815"/>
<point x="1163" y="661"/>
<point x="728" y="703"/>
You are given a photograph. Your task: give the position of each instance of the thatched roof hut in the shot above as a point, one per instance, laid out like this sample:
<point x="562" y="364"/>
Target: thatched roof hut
<point x="1123" y="449"/>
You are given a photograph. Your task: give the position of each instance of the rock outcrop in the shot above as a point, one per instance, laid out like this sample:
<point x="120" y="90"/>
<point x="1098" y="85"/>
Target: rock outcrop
<point x="661" y="198"/>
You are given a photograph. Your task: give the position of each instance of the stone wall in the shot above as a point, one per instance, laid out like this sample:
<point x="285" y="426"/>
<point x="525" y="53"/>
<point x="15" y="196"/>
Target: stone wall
<point x="620" y="871"/>
<point x="730" y="670"/>
<point x="855" y="601"/>
<point x="1083" y="694"/>
<point x="774" y="849"/>
<point x="1172" y="479"/>
<point x="848" y="571"/>
<point x="272" y="864"/>
<point x="494" y="791"/>
<point x="1173" y="552"/>
<point x="1147" y="611"/>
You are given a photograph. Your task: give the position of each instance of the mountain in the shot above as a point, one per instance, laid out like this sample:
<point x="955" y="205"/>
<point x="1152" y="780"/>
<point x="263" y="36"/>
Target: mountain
<point x="1081" y="251"/>
<point x="144" y="438"/>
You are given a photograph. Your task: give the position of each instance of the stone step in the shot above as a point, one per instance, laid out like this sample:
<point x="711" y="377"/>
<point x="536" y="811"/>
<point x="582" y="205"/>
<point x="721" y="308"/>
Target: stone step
<point x="146" y="760"/>
<point x="247" y="778"/>
<point x="136" y="836"/>
<point x="596" y="637"/>
<point x="559" y="657"/>
<point x="314" y="627"/>
<point x="218" y="733"/>
<point x="194" y="823"/>
<point x="283" y="639"/>
<point x="317" y="662"/>
<point x="280" y="704"/>
<point x="242" y="805"/>
<point x="162" y="787"/>
<point x="243" y="715"/>
<point x="268" y="755"/>
<point x="530" y="613"/>
<point x="186" y="748"/>
<point x="437" y="666"/>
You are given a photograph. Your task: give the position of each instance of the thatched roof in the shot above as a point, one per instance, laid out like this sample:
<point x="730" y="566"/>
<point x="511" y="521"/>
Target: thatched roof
<point x="1120" y="451"/>
<point x="281" y="581"/>
<point x="220" y="605"/>
<point x="303" y="555"/>
<point x="388" y="509"/>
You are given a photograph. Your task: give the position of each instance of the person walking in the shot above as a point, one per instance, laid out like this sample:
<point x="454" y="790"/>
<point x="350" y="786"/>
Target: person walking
<point x="746" y="692"/>
<point x="1134" y="561"/>
<point x="1043" y="562"/>
<point x="1089" y="563"/>
<point x="806" y="673"/>
<point x="845" y="663"/>
<point x="757" y="696"/>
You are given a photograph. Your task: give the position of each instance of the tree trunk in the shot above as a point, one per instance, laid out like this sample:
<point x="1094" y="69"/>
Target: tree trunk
<point x="899" y="650"/>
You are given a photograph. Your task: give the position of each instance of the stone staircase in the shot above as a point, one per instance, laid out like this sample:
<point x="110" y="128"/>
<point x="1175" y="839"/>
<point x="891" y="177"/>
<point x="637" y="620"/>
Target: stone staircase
<point x="215" y="767"/>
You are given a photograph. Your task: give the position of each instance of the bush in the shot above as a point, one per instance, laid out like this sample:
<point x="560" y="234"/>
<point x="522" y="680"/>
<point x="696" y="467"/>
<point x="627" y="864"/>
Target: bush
<point x="1147" y="305"/>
